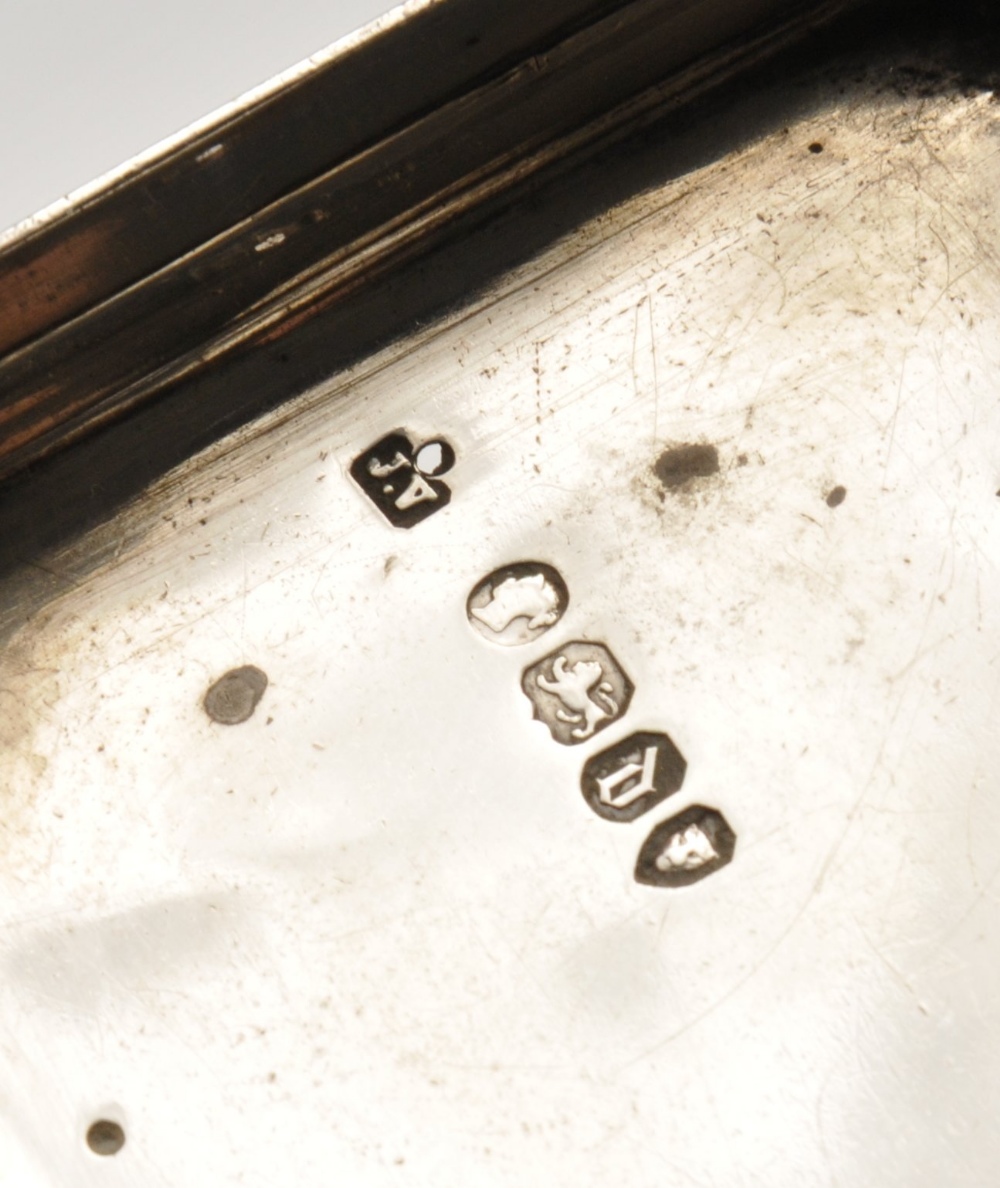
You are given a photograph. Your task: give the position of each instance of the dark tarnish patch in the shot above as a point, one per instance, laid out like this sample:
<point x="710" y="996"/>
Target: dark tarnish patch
<point x="105" y="1138"/>
<point x="679" y="464"/>
<point x="235" y="696"/>
<point x="836" y="497"/>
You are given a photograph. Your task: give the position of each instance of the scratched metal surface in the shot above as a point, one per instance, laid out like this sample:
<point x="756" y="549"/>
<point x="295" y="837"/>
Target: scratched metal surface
<point x="374" y="934"/>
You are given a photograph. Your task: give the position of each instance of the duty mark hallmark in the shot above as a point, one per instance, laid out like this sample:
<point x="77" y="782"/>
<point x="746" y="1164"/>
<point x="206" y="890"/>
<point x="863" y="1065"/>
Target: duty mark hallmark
<point x="518" y="603"/>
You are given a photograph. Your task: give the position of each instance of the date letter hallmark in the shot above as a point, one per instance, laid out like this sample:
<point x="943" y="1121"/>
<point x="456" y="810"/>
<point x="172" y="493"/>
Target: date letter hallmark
<point x="633" y="776"/>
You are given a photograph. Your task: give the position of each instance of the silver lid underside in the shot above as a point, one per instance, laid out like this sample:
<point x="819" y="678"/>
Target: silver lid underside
<point x="374" y="934"/>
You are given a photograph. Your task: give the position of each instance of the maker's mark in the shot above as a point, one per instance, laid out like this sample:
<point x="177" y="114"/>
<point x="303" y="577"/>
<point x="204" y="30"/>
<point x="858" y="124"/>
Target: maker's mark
<point x="403" y="480"/>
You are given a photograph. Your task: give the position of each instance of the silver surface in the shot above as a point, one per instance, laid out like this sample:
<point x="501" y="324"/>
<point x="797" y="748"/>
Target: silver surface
<point x="374" y="934"/>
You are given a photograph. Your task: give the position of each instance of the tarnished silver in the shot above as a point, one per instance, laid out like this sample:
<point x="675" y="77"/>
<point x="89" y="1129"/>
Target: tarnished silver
<point x="373" y="934"/>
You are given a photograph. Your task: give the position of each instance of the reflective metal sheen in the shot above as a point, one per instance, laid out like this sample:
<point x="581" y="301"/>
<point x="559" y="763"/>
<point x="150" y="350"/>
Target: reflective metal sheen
<point x="373" y="934"/>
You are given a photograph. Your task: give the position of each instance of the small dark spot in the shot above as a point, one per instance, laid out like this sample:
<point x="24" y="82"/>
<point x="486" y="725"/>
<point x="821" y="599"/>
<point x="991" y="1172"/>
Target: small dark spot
<point x="742" y="460"/>
<point x="815" y="147"/>
<point x="679" y="464"/>
<point x="105" y="1138"/>
<point x="472" y="42"/>
<point x="234" y="696"/>
<point x="836" y="497"/>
